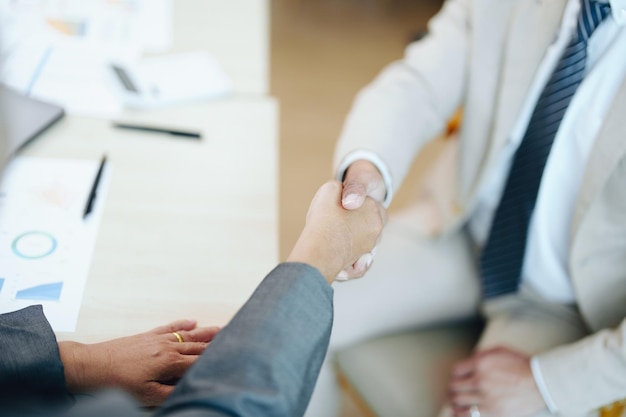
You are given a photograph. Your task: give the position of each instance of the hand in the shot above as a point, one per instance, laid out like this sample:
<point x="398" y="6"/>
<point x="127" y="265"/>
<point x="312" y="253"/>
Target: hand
<point x="334" y="238"/>
<point x="499" y="381"/>
<point x="362" y="180"/>
<point x="147" y="365"/>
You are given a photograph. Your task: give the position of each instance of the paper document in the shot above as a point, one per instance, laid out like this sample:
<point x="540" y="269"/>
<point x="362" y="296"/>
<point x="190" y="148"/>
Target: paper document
<point x="59" y="51"/>
<point x="171" y="79"/>
<point x="46" y="245"/>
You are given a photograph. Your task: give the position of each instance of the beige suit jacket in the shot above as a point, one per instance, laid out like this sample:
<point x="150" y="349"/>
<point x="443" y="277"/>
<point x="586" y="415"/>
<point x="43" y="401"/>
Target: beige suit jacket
<point x="482" y="55"/>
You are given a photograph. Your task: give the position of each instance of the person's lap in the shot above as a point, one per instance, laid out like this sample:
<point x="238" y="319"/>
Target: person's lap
<point x="527" y="323"/>
<point x="530" y="324"/>
<point x="413" y="281"/>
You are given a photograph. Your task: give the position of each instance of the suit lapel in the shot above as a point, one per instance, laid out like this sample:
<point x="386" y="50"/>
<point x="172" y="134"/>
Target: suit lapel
<point x="533" y="28"/>
<point x="609" y="149"/>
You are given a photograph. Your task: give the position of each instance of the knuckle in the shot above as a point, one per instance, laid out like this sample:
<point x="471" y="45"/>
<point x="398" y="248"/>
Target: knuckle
<point x="158" y="351"/>
<point x="172" y="356"/>
<point x="165" y="355"/>
<point x="354" y="186"/>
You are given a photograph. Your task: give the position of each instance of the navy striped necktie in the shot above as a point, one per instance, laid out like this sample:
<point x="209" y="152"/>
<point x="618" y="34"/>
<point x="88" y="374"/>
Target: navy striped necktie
<point x="503" y="254"/>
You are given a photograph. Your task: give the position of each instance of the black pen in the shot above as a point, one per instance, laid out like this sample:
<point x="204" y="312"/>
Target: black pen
<point x="94" y="188"/>
<point x="175" y="132"/>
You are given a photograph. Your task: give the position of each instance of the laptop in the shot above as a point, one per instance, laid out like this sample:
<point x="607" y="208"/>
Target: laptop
<point x="24" y="118"/>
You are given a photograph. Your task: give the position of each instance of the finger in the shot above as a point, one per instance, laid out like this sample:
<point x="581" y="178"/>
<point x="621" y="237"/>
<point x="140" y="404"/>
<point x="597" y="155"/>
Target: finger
<point x="177" y="337"/>
<point x="200" y="334"/>
<point x="175" y="326"/>
<point x="362" y="265"/>
<point x="156" y="393"/>
<point x="358" y="269"/>
<point x="191" y="348"/>
<point x="465" y="383"/>
<point x="465" y="400"/>
<point x="464" y="367"/>
<point x="353" y="195"/>
<point x="177" y="368"/>
<point x="462" y="411"/>
<point x="342" y="276"/>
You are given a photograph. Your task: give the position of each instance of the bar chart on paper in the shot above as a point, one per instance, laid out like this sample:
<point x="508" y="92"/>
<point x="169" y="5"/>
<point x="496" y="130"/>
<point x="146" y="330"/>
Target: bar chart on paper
<point x="45" y="244"/>
<point x="33" y="246"/>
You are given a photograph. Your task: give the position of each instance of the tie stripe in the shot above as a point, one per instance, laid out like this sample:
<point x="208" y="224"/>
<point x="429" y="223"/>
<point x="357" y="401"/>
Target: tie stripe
<point x="502" y="257"/>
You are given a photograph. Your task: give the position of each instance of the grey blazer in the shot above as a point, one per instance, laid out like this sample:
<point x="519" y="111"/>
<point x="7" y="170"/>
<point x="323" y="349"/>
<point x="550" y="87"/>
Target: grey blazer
<point x="263" y="363"/>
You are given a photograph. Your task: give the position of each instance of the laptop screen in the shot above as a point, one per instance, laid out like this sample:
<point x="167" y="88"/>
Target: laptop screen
<point x="24" y="117"/>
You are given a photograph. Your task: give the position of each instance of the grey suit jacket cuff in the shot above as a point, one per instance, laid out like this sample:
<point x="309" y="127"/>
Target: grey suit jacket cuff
<point x="31" y="371"/>
<point x="266" y="360"/>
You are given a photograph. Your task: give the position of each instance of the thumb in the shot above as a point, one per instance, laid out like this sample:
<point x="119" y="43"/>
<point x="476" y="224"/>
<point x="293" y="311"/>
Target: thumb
<point x="464" y="367"/>
<point x="353" y="195"/>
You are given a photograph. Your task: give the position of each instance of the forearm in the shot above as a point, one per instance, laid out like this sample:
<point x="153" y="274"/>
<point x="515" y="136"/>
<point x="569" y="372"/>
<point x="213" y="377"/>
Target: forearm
<point x="266" y="361"/>
<point x="84" y="370"/>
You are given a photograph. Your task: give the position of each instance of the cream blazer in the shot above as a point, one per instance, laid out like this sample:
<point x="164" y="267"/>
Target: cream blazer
<point x="482" y="55"/>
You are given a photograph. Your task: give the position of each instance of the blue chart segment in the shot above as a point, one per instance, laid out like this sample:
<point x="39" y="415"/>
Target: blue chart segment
<point x="44" y="292"/>
<point x="1" y="283"/>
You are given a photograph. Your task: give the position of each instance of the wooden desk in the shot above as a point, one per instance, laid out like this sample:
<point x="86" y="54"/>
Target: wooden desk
<point x="189" y="227"/>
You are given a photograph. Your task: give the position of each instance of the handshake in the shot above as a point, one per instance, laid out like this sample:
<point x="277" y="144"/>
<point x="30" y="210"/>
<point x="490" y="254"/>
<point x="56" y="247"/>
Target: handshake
<point x="338" y="241"/>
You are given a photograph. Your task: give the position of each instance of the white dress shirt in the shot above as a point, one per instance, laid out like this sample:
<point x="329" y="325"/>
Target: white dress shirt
<point x="545" y="266"/>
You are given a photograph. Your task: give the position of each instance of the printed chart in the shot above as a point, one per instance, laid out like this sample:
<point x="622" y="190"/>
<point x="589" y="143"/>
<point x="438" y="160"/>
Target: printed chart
<point x="46" y="245"/>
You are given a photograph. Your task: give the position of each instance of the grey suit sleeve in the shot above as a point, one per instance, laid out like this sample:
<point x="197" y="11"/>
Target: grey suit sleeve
<point x="266" y="361"/>
<point x="31" y="371"/>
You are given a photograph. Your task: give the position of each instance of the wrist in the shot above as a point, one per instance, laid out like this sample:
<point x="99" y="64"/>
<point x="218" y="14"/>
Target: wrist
<point x="371" y="160"/>
<point x="82" y="368"/>
<point x="366" y="166"/>
<point x="535" y="369"/>
<point x="307" y="250"/>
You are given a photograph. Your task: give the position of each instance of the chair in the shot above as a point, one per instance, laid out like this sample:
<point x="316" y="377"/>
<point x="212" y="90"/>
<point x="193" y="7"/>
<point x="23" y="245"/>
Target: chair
<point x="386" y="376"/>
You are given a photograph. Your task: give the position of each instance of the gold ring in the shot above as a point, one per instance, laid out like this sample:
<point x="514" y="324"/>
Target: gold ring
<point x="179" y="337"/>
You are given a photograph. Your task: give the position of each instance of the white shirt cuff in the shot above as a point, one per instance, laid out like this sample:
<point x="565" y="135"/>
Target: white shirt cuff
<point x="372" y="157"/>
<point x="541" y="384"/>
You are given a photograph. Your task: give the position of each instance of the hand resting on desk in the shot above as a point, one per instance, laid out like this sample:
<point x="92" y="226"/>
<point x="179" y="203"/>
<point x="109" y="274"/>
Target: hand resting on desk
<point x="146" y="365"/>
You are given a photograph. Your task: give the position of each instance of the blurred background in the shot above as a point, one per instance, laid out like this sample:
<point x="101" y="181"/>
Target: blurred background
<point x="321" y="53"/>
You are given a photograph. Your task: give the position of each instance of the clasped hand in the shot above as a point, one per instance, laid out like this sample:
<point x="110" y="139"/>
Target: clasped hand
<point x="498" y="381"/>
<point x="362" y="181"/>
